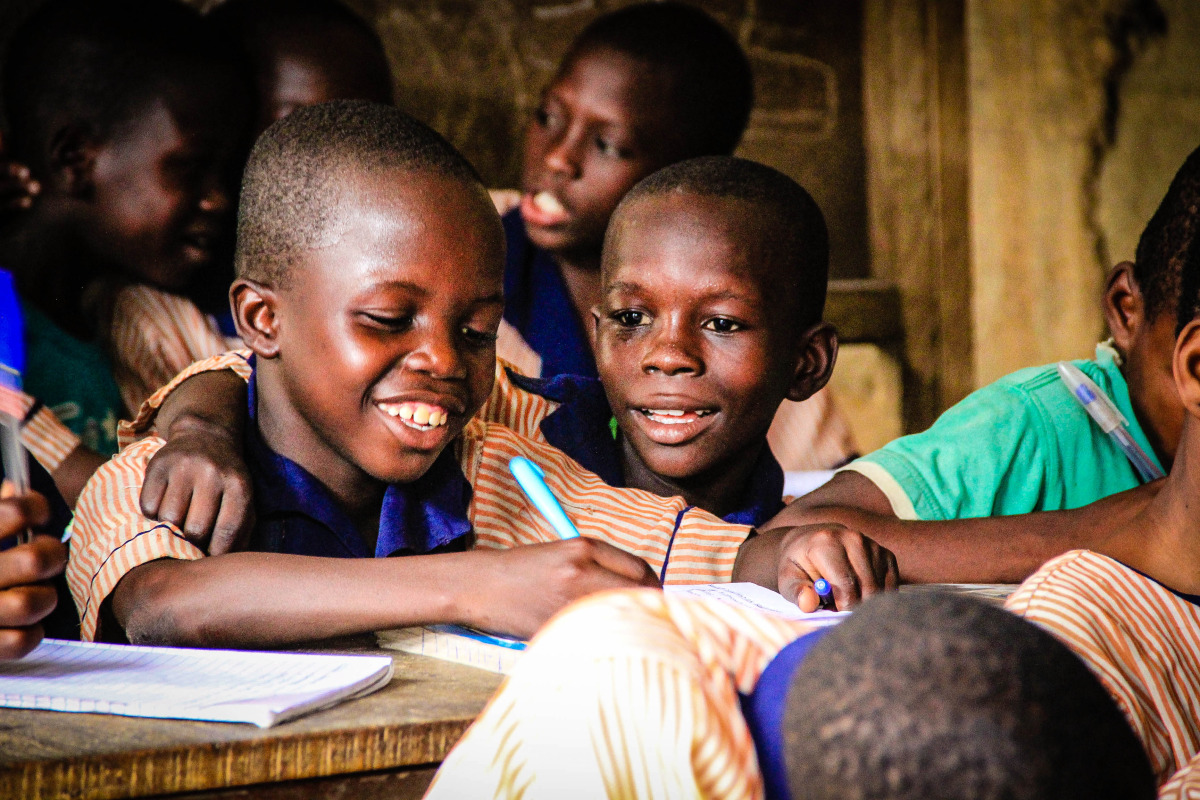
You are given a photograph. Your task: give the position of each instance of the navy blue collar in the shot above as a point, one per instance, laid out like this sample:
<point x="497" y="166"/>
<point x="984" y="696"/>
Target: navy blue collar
<point x="538" y="305"/>
<point x="765" y="709"/>
<point x="296" y="513"/>
<point x="581" y="428"/>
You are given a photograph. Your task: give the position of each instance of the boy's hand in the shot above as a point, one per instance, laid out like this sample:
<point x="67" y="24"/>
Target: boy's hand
<point x="25" y="598"/>
<point x="519" y="589"/>
<point x="793" y="558"/>
<point x="198" y="482"/>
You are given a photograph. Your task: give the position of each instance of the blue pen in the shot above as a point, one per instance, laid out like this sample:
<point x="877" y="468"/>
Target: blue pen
<point x="533" y="482"/>
<point x="824" y="593"/>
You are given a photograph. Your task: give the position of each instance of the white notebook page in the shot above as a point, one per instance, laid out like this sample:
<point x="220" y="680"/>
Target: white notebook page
<point x="751" y="595"/>
<point x="213" y="685"/>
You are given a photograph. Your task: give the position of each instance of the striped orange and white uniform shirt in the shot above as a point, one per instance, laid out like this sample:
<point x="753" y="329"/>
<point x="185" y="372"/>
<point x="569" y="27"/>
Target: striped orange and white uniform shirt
<point x="631" y="693"/>
<point x="46" y="438"/>
<point x="681" y="543"/>
<point x="154" y="336"/>
<point x="1140" y="639"/>
<point x="1185" y="785"/>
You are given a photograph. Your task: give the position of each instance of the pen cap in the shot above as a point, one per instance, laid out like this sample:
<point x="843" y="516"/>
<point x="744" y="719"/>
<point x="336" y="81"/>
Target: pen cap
<point x="12" y="333"/>
<point x="1091" y="397"/>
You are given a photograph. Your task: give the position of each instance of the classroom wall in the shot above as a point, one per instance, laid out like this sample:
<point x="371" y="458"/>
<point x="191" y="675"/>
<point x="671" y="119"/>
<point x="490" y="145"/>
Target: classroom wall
<point x="1080" y="113"/>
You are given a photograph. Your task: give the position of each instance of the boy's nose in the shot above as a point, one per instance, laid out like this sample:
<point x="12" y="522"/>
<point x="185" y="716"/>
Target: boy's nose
<point x="437" y="354"/>
<point x="671" y="353"/>
<point x="216" y="199"/>
<point x="563" y="154"/>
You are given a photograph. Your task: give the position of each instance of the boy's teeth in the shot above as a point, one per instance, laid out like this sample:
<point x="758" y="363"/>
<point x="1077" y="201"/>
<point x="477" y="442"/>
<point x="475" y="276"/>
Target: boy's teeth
<point x="417" y="415"/>
<point x="668" y="412"/>
<point x="548" y="203"/>
<point x="674" y="416"/>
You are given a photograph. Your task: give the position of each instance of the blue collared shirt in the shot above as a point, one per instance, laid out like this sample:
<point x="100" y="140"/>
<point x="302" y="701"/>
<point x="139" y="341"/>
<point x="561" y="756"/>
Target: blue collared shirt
<point x="538" y="305"/>
<point x="765" y="709"/>
<point x="296" y="514"/>
<point x="581" y="428"/>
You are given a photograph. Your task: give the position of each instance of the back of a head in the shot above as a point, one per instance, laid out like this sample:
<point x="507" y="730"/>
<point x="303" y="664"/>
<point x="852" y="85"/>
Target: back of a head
<point x="1166" y="239"/>
<point x="95" y="61"/>
<point x="786" y="213"/>
<point x="298" y="169"/>
<point x="947" y="697"/>
<point x="713" y="86"/>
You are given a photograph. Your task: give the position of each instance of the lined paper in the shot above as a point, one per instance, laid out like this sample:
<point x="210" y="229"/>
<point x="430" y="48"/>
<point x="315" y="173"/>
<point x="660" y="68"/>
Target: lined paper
<point x="751" y="595"/>
<point x="459" y="645"/>
<point x="177" y="683"/>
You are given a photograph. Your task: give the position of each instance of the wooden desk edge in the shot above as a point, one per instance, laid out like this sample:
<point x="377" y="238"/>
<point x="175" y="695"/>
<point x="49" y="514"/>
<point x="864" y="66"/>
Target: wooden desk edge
<point x="187" y="768"/>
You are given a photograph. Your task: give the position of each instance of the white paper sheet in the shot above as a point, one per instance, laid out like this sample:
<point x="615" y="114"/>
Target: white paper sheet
<point x="751" y="595"/>
<point x="177" y="683"/>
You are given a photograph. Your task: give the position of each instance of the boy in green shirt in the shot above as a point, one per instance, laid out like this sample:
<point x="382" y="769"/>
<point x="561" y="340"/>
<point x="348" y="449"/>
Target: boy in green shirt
<point x="1023" y="445"/>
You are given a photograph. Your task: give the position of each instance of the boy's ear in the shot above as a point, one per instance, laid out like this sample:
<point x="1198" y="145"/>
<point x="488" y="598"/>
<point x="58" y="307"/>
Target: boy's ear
<point x="71" y="159"/>
<point x="254" y="313"/>
<point x="816" y="353"/>
<point x="1187" y="367"/>
<point x="1124" y="306"/>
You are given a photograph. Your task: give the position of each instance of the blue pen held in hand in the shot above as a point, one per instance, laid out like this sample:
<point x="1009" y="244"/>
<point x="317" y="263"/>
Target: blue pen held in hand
<point x="532" y="481"/>
<point x="824" y="593"/>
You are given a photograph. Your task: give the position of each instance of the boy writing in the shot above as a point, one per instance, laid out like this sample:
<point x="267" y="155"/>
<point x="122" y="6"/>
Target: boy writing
<point x="639" y="694"/>
<point x="1130" y="606"/>
<point x="714" y="277"/>
<point x="941" y="499"/>
<point x="370" y="272"/>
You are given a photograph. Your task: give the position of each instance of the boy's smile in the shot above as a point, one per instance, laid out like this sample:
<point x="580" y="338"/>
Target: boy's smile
<point x="386" y="336"/>
<point x="693" y="343"/>
<point x="603" y="125"/>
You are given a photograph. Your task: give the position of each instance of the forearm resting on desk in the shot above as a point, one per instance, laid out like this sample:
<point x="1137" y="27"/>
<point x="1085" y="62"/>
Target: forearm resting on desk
<point x="985" y="550"/>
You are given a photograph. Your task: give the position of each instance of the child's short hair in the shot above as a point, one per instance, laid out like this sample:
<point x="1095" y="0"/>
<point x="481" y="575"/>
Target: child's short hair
<point x="713" y="83"/>
<point x="293" y="178"/>
<point x="919" y="696"/>
<point x="1168" y="236"/>
<point x="248" y="21"/>
<point x="96" y="61"/>
<point x="788" y="211"/>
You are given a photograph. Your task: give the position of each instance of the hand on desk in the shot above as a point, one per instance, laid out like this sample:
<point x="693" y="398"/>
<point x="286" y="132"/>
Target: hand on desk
<point x="521" y="588"/>
<point x="25" y="597"/>
<point x="791" y="559"/>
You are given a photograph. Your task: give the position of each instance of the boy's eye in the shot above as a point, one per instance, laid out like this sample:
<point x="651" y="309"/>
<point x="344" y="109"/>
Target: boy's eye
<point x="387" y="321"/>
<point x="610" y="149"/>
<point x="545" y="118"/>
<point x="722" y="325"/>
<point x="629" y="319"/>
<point x="477" y="337"/>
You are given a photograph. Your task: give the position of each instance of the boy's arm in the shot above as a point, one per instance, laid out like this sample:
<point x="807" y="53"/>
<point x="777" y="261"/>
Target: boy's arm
<point x="164" y="590"/>
<point x="198" y="480"/>
<point x="983" y="550"/>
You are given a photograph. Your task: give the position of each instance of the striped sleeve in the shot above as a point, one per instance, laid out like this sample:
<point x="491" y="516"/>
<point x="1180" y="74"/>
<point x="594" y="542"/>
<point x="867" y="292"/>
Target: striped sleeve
<point x="110" y="536"/>
<point x="515" y="408"/>
<point x="625" y="694"/>
<point x="683" y="544"/>
<point x="43" y="434"/>
<point x="143" y="423"/>
<point x="1141" y="640"/>
<point x="154" y="335"/>
<point x="1185" y="785"/>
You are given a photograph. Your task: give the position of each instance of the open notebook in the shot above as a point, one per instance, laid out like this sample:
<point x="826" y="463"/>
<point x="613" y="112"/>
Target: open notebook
<point x="176" y="683"/>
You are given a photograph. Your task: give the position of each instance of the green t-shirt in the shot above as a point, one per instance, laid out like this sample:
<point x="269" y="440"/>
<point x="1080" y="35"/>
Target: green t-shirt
<point x="74" y="379"/>
<point x="1021" y="444"/>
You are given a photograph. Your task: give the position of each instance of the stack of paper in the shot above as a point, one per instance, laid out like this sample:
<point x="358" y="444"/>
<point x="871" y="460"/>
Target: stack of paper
<point x="456" y="643"/>
<point x="175" y="683"/>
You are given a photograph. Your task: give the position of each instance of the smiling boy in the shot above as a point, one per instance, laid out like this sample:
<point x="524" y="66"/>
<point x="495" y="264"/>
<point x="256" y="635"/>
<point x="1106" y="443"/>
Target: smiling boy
<point x="369" y="290"/>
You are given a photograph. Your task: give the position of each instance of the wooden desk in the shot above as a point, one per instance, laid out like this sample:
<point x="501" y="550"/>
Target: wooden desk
<point x="387" y="744"/>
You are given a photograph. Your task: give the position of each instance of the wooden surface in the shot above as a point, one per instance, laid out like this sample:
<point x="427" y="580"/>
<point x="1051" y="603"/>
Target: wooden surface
<point x="864" y="311"/>
<point x="411" y="723"/>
